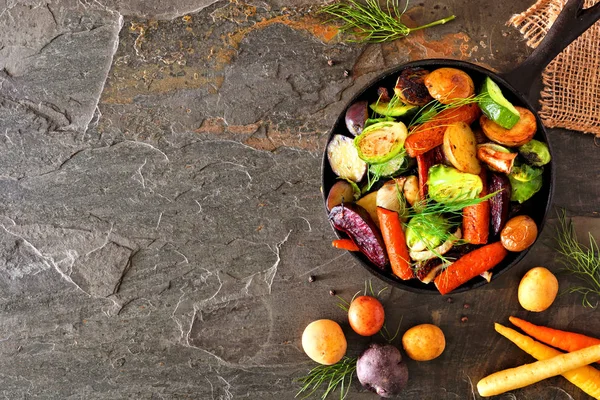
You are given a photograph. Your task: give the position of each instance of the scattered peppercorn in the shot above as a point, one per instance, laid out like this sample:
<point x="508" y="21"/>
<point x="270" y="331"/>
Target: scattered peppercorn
<point x="464" y="319"/>
<point x="346" y="73"/>
<point x="449" y="300"/>
<point x="332" y="292"/>
<point x="311" y="278"/>
<point x="466" y="306"/>
<point x="330" y="62"/>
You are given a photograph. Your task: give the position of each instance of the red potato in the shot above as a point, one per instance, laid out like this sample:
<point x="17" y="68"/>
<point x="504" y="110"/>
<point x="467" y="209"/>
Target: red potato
<point x="340" y="193"/>
<point x="366" y="315"/>
<point x="355" y="117"/>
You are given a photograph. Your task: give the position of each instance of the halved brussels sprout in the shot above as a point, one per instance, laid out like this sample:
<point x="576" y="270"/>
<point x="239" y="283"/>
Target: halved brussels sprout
<point x="426" y="231"/>
<point x="535" y="152"/>
<point x="447" y="184"/>
<point x="525" y="173"/>
<point x="381" y="142"/>
<point x="396" y="165"/>
<point x="523" y="191"/>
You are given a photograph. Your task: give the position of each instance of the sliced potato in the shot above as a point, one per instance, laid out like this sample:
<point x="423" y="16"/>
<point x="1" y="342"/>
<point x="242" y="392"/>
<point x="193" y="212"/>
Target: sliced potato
<point x="369" y="203"/>
<point x="449" y="84"/>
<point x="390" y="196"/>
<point x="341" y="192"/>
<point x="411" y="190"/>
<point x="460" y="148"/>
<point x="518" y="135"/>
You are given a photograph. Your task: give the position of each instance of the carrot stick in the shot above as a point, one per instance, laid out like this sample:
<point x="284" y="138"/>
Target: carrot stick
<point x="528" y="374"/>
<point x="345" y="244"/>
<point x="476" y="219"/>
<point x="395" y="243"/>
<point x="469" y="266"/>
<point x="425" y="137"/>
<point x="585" y="378"/>
<point x="424" y="162"/>
<point x="563" y="340"/>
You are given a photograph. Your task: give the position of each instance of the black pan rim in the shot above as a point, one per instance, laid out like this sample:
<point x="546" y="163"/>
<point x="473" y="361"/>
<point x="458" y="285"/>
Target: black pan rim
<point x="550" y="169"/>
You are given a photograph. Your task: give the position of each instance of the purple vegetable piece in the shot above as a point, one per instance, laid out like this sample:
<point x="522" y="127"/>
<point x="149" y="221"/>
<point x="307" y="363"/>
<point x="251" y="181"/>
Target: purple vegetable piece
<point x="381" y="370"/>
<point x="356" y="115"/>
<point x="500" y="203"/>
<point x="356" y="223"/>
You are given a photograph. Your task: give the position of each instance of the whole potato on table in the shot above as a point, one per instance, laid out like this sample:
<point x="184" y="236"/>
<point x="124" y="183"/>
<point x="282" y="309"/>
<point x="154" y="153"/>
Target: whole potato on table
<point x="324" y="341"/>
<point x="537" y="289"/>
<point x="424" y="342"/>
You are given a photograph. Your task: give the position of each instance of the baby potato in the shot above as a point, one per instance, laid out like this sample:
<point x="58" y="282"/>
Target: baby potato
<point x="448" y="84"/>
<point x="537" y="289"/>
<point x="460" y="148"/>
<point x="519" y="233"/>
<point x="424" y="342"/>
<point x="518" y="135"/>
<point x="366" y="315"/>
<point x="324" y="341"/>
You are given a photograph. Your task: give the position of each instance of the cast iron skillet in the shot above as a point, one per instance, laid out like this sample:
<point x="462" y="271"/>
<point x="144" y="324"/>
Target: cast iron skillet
<point x="516" y="86"/>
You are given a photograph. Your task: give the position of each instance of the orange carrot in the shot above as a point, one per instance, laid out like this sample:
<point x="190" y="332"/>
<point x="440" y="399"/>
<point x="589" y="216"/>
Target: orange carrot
<point x="345" y="244"/>
<point x="426" y="136"/>
<point x="476" y="219"/>
<point x="469" y="266"/>
<point x="563" y="340"/>
<point x="395" y="243"/>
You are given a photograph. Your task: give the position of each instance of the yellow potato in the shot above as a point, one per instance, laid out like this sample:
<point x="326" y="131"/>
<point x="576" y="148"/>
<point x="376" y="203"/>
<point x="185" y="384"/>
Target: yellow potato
<point x="424" y="342"/>
<point x="448" y="84"/>
<point x="324" y="341"/>
<point x="537" y="289"/>
<point x="460" y="148"/>
<point x="518" y="135"/>
<point x="369" y="203"/>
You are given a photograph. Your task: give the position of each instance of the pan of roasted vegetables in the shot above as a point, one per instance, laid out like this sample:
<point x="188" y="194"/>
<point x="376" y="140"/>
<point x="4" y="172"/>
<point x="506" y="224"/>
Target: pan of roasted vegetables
<point x="439" y="174"/>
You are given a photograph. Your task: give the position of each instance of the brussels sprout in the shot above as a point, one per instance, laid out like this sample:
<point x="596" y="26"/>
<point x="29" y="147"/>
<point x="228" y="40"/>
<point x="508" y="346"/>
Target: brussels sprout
<point x="447" y="184"/>
<point x="426" y="231"/>
<point x="397" y="164"/>
<point x="381" y="142"/>
<point x="522" y="191"/>
<point x="525" y="173"/>
<point x="535" y="152"/>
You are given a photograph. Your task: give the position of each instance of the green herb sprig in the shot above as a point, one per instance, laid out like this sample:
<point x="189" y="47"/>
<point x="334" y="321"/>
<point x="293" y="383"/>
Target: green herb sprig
<point x="331" y="376"/>
<point x="580" y="260"/>
<point x="373" y="24"/>
<point x="434" y="107"/>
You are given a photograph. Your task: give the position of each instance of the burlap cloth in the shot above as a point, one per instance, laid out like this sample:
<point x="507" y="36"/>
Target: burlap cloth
<point x="570" y="97"/>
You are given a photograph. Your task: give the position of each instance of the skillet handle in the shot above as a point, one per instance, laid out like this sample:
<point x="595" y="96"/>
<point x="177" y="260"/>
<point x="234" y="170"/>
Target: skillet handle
<point x="569" y="25"/>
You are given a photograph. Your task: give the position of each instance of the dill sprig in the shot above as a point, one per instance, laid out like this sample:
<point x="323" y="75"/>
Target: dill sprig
<point x="373" y="24"/>
<point x="579" y="260"/>
<point x="331" y="377"/>
<point x="430" y="110"/>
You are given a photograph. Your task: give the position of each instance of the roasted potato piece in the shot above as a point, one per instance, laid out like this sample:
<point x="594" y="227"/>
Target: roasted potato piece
<point x="448" y="84"/>
<point x="410" y="87"/>
<point x="460" y="148"/>
<point x="411" y="190"/>
<point x="369" y="203"/>
<point x="518" y="135"/>
<point x="340" y="193"/>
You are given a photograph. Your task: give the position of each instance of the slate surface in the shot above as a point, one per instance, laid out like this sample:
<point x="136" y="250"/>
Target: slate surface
<point x="160" y="207"/>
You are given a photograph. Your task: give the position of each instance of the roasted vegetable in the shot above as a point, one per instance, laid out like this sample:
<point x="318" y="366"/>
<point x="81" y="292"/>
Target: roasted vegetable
<point x="523" y="191"/>
<point x="395" y="243"/>
<point x="411" y="190"/>
<point x="500" y="202"/>
<point x="519" y="233"/>
<point x="396" y="165"/>
<point x="392" y="109"/>
<point x="426" y="231"/>
<point x="438" y="251"/>
<point x="355" y="118"/>
<point x="380" y="369"/>
<point x="495" y="106"/>
<point x="410" y="86"/>
<point x="356" y="223"/>
<point x="390" y="197"/>
<point x="427" y="270"/>
<point x="381" y="142"/>
<point x="460" y="148"/>
<point x="446" y="184"/>
<point x="344" y="160"/>
<point x="345" y="244"/>
<point x="449" y="84"/>
<point x="369" y="203"/>
<point x="496" y="157"/>
<point x="525" y="173"/>
<point x="535" y="152"/>
<point x="518" y="135"/>
<point x="341" y="192"/>
<point x="476" y="218"/>
<point x="426" y="136"/>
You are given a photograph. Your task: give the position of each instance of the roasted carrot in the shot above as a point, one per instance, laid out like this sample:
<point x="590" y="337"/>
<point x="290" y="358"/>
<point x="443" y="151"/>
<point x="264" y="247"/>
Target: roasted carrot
<point x="563" y="340"/>
<point x="425" y="137"/>
<point x="528" y="374"/>
<point x="585" y="378"/>
<point x="395" y="243"/>
<point x="345" y="244"/>
<point x="424" y="162"/>
<point x="476" y="219"/>
<point x="469" y="266"/>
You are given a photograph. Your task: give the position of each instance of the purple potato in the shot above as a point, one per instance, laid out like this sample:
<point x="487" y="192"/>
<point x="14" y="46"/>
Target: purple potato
<point x="380" y="369"/>
<point x="356" y="115"/>
<point x="356" y="222"/>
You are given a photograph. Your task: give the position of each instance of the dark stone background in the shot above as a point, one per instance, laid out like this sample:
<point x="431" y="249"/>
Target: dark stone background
<point x="160" y="207"/>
